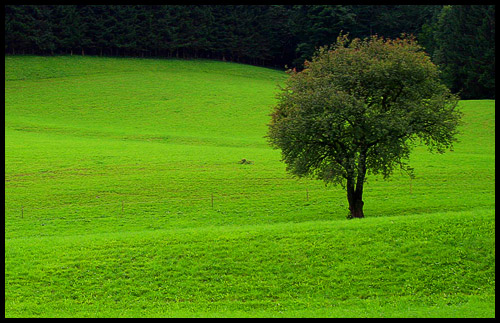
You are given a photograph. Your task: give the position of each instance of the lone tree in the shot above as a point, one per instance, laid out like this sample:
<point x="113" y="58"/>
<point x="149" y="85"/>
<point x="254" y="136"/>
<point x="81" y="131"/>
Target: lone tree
<point x="361" y="106"/>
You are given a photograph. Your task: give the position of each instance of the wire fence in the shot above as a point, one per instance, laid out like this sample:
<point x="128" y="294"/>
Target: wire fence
<point x="211" y="201"/>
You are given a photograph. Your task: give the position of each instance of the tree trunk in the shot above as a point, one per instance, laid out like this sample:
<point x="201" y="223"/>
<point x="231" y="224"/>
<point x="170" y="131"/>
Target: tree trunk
<point x="355" y="192"/>
<point x="355" y="199"/>
<point x="356" y="206"/>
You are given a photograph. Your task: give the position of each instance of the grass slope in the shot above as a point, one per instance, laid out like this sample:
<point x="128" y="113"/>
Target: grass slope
<point x="112" y="167"/>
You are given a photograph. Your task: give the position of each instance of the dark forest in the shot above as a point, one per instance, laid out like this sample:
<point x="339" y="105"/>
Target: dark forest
<point x="459" y="39"/>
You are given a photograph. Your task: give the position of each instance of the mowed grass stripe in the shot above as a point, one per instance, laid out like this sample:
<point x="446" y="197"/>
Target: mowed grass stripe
<point x="311" y="265"/>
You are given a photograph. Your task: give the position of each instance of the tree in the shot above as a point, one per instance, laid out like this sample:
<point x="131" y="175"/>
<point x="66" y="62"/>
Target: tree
<point x="318" y="25"/>
<point x="361" y="106"/>
<point x="68" y="31"/>
<point x="18" y="28"/>
<point x="465" y="49"/>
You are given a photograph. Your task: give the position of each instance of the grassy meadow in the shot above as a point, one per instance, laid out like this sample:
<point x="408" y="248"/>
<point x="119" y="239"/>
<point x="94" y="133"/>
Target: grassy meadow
<point x="125" y="197"/>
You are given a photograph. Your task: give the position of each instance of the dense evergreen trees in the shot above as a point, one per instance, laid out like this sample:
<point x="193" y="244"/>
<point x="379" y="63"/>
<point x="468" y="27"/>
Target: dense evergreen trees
<point x="462" y="42"/>
<point x="459" y="38"/>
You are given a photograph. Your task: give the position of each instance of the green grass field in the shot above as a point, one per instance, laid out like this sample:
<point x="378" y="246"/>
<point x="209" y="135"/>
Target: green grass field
<point x="125" y="197"/>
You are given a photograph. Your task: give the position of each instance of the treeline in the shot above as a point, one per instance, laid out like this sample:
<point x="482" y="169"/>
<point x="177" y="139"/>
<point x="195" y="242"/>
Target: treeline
<point x="459" y="38"/>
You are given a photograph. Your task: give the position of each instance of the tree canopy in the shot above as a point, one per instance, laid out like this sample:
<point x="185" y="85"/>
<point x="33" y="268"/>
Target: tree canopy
<point x="358" y="108"/>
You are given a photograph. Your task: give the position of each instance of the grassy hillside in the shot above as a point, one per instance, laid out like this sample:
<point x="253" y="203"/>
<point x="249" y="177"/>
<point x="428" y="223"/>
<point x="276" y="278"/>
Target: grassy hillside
<point x="125" y="197"/>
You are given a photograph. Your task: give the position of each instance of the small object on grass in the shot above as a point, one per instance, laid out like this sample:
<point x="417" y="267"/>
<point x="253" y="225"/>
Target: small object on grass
<point x="244" y="161"/>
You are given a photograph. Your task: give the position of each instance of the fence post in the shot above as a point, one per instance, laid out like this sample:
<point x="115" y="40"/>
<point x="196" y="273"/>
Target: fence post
<point x="212" y="200"/>
<point x="307" y="195"/>
<point x="22" y="212"/>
